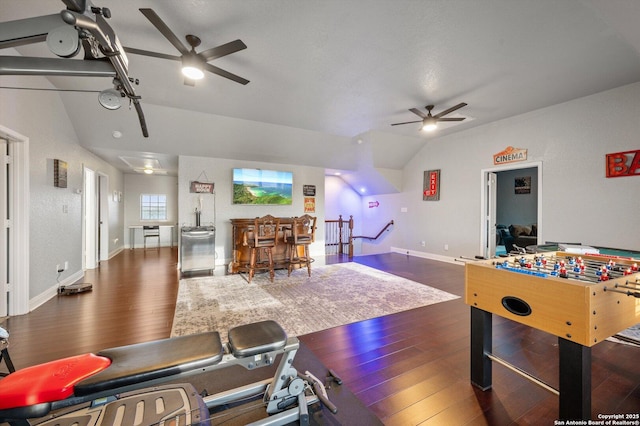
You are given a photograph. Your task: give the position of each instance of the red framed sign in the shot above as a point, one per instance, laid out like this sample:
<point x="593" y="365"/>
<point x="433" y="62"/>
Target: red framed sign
<point x="431" y="187"/>
<point x="623" y="164"/>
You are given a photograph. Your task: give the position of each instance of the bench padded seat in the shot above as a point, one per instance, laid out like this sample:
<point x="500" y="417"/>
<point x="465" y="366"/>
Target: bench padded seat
<point x="152" y="360"/>
<point x="256" y="338"/>
<point x="48" y="382"/>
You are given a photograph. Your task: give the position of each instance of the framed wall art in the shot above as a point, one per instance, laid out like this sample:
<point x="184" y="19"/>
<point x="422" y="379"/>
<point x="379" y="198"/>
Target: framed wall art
<point x="256" y="186"/>
<point x="522" y="185"/>
<point x="431" y="186"/>
<point x="59" y="173"/>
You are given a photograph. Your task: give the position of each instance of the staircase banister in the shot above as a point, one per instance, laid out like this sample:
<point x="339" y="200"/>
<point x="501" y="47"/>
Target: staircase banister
<point x="386" y="227"/>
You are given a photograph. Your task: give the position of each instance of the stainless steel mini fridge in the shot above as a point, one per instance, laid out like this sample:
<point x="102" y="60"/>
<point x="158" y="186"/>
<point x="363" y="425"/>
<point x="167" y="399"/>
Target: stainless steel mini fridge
<point x="197" y="248"/>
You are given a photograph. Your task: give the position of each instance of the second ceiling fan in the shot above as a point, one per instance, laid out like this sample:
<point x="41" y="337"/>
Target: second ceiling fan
<point x="193" y="63"/>
<point x="430" y="122"/>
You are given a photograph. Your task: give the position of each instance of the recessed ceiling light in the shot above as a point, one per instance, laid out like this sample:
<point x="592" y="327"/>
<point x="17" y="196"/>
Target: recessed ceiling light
<point x="117" y="134"/>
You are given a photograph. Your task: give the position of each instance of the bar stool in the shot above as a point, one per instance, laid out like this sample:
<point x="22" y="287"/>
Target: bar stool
<point x="151" y="231"/>
<point x="303" y="232"/>
<point x="264" y="239"/>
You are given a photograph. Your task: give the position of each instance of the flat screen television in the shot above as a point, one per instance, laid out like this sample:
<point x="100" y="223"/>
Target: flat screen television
<point x="256" y="186"/>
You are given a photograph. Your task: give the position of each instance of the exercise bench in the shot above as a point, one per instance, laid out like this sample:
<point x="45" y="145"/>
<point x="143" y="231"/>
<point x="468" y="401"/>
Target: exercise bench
<point x="90" y="385"/>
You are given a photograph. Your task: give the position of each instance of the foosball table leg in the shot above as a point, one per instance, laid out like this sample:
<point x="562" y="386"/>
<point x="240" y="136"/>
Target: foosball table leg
<point x="481" y="342"/>
<point x="575" y="380"/>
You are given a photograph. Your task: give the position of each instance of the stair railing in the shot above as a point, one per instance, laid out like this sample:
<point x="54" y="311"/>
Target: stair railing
<point x="386" y="228"/>
<point x="338" y="236"/>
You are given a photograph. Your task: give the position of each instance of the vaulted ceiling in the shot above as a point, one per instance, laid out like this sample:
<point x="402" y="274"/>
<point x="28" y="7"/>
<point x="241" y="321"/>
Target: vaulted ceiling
<point x="327" y="77"/>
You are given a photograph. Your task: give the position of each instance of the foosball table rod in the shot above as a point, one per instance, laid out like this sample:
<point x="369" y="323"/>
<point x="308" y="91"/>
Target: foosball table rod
<point x="524" y="374"/>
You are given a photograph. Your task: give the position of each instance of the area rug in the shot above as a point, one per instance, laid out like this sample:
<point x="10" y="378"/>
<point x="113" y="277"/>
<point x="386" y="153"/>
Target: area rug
<point x="630" y="336"/>
<point x="334" y="295"/>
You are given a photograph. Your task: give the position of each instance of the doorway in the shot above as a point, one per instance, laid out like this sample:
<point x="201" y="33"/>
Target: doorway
<point x="103" y="216"/>
<point x="90" y="218"/>
<point x="14" y="211"/>
<point x="499" y="205"/>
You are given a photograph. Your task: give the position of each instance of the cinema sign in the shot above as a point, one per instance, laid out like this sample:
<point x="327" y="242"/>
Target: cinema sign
<point x="510" y="155"/>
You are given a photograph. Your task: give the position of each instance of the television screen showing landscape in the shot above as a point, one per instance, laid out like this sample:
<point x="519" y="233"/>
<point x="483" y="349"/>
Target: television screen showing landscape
<point x="254" y="186"/>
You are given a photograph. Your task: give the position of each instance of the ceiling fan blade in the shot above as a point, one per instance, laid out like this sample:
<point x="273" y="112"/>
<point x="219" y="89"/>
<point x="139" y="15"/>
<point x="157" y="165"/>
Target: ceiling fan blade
<point x="164" y="29"/>
<point x="450" y="119"/>
<point x="135" y="51"/>
<point x="223" y="73"/>
<point x="223" y="50"/>
<point x="406" y="122"/>
<point x="447" y="111"/>
<point x="418" y="112"/>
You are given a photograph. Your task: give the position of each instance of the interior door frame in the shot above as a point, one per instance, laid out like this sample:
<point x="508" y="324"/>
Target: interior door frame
<point x="491" y="213"/>
<point x="484" y="199"/>
<point x="90" y="219"/>
<point x="103" y="216"/>
<point x="18" y="241"/>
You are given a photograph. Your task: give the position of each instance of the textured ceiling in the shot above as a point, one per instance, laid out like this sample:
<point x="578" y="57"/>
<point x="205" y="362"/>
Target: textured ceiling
<point x="344" y="69"/>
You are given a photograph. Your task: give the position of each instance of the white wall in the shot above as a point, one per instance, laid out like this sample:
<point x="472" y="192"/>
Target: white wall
<point x="55" y="218"/>
<point x="218" y="208"/>
<point x="137" y="184"/>
<point x="578" y="202"/>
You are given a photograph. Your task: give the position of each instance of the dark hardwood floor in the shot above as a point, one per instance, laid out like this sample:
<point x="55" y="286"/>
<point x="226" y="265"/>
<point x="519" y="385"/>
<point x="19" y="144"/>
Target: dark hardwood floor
<point x="410" y="368"/>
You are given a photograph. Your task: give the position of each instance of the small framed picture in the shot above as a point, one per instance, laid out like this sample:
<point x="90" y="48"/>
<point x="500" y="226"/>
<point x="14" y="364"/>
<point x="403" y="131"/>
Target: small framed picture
<point x="522" y="185"/>
<point x="59" y="173"/>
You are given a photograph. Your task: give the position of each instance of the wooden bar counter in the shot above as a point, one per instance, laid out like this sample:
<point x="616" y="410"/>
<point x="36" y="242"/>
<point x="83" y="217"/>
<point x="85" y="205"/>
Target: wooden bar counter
<point x="243" y="227"/>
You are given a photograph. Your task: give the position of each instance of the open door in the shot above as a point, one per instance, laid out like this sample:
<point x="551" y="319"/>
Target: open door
<point x="490" y="224"/>
<point x="90" y="220"/>
<point x="14" y="206"/>
<point x="4" y="232"/>
<point x="103" y="216"/>
<point x="492" y="202"/>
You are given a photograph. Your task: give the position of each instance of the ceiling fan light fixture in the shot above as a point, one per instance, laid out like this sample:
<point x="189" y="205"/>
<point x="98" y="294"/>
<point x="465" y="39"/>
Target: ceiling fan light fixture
<point x="429" y="124"/>
<point x="192" y="67"/>
<point x="193" y="73"/>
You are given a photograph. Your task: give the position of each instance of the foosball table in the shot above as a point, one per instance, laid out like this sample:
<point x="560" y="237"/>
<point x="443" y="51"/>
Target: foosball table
<point x="581" y="298"/>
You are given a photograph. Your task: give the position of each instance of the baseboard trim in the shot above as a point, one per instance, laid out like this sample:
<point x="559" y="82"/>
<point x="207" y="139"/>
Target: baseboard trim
<point x="52" y="291"/>
<point x="426" y="255"/>
<point x="115" y="252"/>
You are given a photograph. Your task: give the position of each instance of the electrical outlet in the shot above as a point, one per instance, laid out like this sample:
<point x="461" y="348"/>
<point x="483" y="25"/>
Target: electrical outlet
<point x="58" y="268"/>
<point x="66" y="265"/>
<point x="423" y="243"/>
<point x="446" y="247"/>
